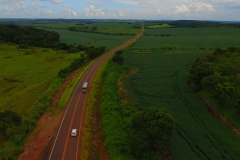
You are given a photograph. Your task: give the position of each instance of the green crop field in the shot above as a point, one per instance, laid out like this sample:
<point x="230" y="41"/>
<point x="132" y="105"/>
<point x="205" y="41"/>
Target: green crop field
<point x="91" y="39"/>
<point x="109" y="34"/>
<point x="56" y="25"/>
<point x="163" y="65"/>
<point x="27" y="73"/>
<point x="102" y="27"/>
<point x="190" y="38"/>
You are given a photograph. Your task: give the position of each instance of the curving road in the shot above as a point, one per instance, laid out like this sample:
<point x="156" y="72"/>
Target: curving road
<point x="66" y="147"/>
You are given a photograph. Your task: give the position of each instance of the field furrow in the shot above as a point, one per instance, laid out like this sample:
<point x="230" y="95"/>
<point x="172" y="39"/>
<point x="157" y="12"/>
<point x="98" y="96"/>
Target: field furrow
<point x="162" y="81"/>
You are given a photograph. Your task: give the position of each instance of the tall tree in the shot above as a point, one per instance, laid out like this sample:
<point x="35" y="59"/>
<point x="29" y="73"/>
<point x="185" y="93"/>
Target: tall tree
<point x="150" y="127"/>
<point x="224" y="92"/>
<point x="8" y="119"/>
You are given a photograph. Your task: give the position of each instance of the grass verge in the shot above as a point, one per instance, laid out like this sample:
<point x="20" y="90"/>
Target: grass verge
<point x="89" y="149"/>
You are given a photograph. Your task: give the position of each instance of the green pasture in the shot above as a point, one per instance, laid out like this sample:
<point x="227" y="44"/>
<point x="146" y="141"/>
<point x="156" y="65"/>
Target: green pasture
<point x="91" y="39"/>
<point x="27" y="73"/>
<point x="158" y="26"/>
<point x="161" y="81"/>
<point x="190" y="38"/>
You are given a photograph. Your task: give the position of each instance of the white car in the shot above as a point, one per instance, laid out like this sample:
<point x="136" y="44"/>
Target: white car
<point x="74" y="132"/>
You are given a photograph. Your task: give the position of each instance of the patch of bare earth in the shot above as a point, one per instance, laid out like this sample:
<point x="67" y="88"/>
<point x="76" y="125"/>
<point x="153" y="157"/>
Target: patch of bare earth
<point x="38" y="145"/>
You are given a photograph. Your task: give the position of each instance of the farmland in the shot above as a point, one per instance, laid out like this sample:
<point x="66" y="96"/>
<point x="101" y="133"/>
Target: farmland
<point x="194" y="38"/>
<point x="163" y="65"/>
<point x="158" y="26"/>
<point x="22" y="80"/>
<point x="161" y="58"/>
<point x="91" y="39"/>
<point x="30" y="75"/>
<point x="109" y="34"/>
<point x="27" y="73"/>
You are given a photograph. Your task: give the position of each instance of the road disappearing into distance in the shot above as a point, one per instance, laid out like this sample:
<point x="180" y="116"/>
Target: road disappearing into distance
<point x="66" y="147"/>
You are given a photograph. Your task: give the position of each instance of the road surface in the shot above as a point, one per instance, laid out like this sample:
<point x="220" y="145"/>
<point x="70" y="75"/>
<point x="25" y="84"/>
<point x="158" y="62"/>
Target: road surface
<point x="64" y="146"/>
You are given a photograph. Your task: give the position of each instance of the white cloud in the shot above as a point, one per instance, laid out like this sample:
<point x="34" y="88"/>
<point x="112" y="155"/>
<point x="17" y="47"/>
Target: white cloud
<point x="74" y="13"/>
<point x="120" y="14"/>
<point x="93" y="11"/>
<point x="137" y="2"/>
<point x="69" y="11"/>
<point x="200" y="6"/>
<point x="8" y="10"/>
<point x="47" y="11"/>
<point x="132" y="9"/>
<point x="18" y="8"/>
<point x="53" y="1"/>
<point x="20" y="5"/>
<point x="97" y="11"/>
<point x="56" y="1"/>
<point x="180" y="9"/>
<point x="158" y="11"/>
<point x="88" y="12"/>
<point x="10" y="1"/>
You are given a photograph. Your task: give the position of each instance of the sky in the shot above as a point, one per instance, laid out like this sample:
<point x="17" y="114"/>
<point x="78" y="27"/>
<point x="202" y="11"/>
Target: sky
<point x="220" y="10"/>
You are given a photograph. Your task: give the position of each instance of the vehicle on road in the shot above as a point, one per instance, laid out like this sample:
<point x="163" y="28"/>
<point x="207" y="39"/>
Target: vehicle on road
<point x="84" y="87"/>
<point x="74" y="133"/>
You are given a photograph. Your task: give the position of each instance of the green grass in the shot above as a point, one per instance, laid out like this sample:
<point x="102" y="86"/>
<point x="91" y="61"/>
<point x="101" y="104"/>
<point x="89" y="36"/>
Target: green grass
<point x="158" y="26"/>
<point x="25" y="77"/>
<point x="29" y="82"/>
<point x="161" y="81"/>
<point x="115" y="116"/>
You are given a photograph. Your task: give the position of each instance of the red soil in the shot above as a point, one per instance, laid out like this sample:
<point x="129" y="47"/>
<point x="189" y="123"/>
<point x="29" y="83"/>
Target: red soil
<point x="46" y="127"/>
<point x="38" y="146"/>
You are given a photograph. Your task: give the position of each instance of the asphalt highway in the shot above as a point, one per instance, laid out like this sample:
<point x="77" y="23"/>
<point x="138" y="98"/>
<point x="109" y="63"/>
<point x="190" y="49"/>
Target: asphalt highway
<point x="66" y="147"/>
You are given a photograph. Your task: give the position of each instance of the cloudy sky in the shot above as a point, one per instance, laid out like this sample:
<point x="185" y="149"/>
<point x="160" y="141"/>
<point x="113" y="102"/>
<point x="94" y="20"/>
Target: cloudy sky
<point x="225" y="10"/>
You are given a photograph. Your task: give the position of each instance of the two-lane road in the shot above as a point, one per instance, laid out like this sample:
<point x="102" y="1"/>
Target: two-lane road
<point x="66" y="147"/>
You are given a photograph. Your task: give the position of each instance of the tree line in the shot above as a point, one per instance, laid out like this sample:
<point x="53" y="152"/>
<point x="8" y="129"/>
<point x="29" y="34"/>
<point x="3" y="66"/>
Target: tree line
<point x="91" y="53"/>
<point x="93" y="30"/>
<point x="195" y="23"/>
<point x="137" y="134"/>
<point x="218" y="74"/>
<point x="28" y="36"/>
